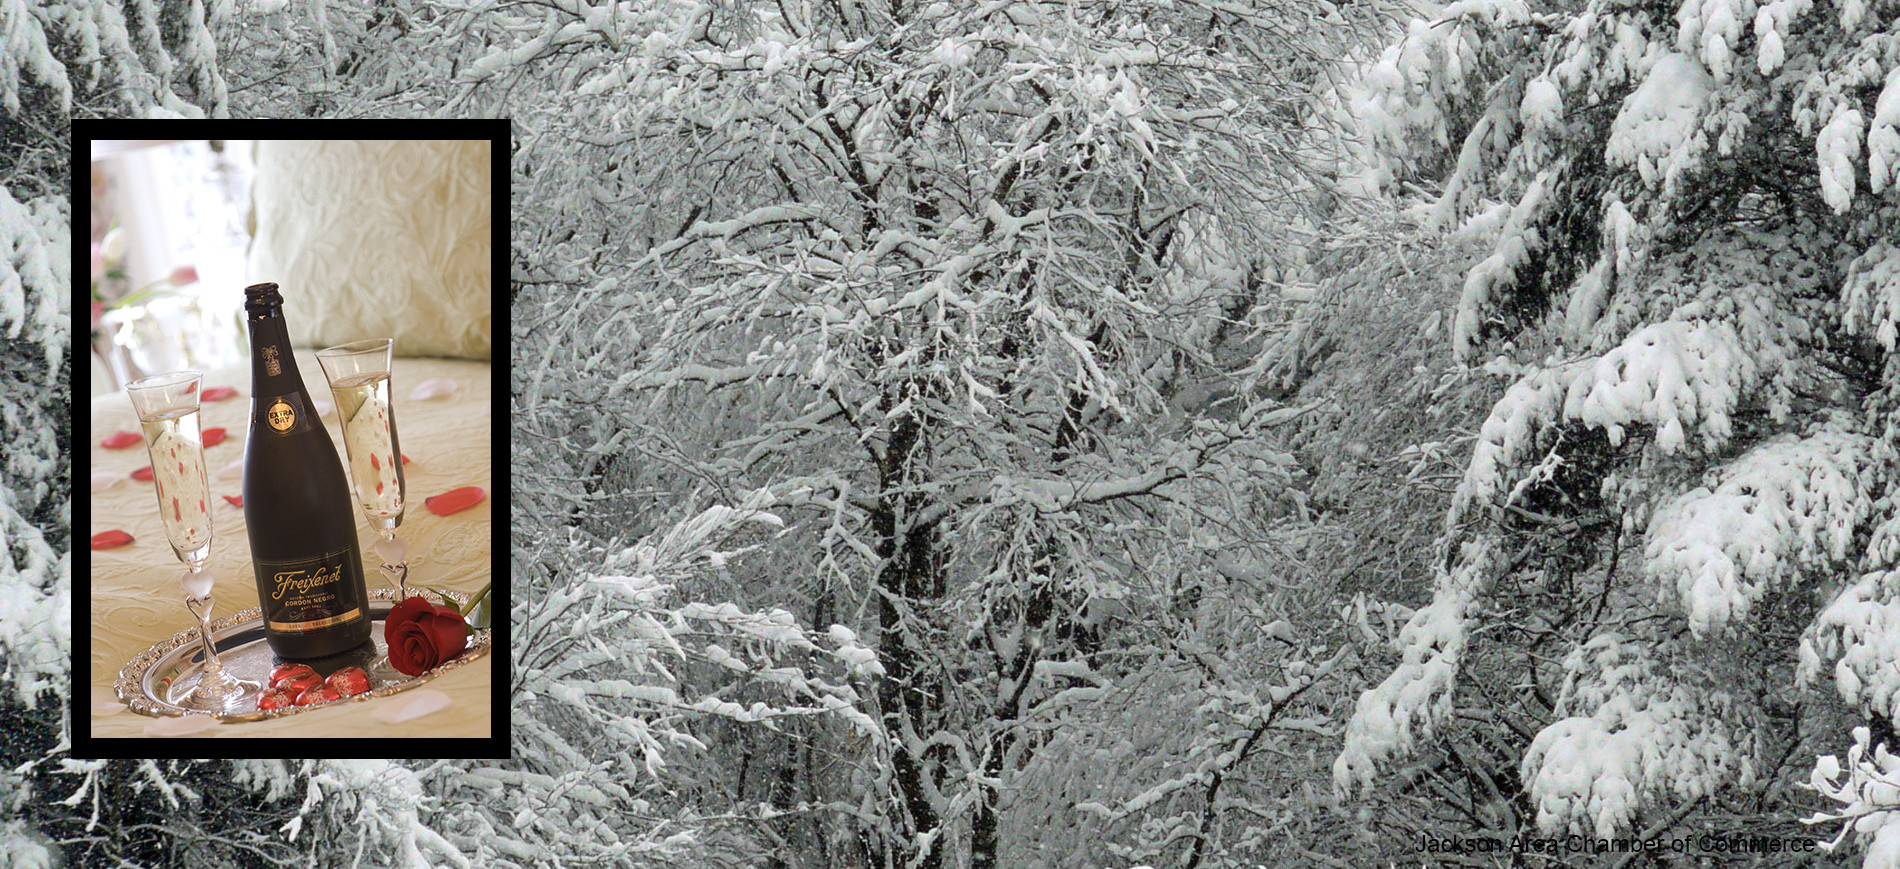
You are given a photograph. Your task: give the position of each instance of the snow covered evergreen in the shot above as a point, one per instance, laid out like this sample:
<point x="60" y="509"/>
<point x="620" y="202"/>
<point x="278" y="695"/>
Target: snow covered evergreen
<point x="1690" y="223"/>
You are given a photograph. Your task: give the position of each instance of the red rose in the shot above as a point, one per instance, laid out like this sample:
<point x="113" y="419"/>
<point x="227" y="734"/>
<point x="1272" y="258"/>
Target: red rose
<point x="421" y="635"/>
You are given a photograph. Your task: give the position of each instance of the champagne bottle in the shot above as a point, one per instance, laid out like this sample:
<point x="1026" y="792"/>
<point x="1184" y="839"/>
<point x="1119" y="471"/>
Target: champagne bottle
<point x="297" y="503"/>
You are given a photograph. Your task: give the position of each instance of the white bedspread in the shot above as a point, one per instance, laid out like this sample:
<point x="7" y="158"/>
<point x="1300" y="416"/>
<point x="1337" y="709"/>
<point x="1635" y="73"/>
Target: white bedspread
<point x="134" y="592"/>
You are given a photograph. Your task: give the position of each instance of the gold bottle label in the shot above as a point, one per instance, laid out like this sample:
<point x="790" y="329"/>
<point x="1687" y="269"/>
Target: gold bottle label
<point x="314" y="624"/>
<point x="309" y="594"/>
<point x="281" y="416"/>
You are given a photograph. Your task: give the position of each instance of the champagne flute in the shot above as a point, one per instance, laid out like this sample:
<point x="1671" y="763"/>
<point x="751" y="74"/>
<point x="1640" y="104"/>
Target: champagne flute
<point x="167" y="406"/>
<point x="359" y="379"/>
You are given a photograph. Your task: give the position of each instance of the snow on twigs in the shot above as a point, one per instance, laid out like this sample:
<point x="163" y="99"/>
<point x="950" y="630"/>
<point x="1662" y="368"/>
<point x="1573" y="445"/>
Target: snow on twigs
<point x="1837" y="148"/>
<point x="1518" y="243"/>
<point x="1655" y="130"/>
<point x="1871" y="294"/>
<point x="1786" y="505"/>
<point x="1630" y="729"/>
<point x="1868" y="791"/>
<point x="1860" y="632"/>
<point x="35" y="268"/>
<point x="1392" y="717"/>
<point x="1677" y="377"/>
<point x="1883" y="138"/>
<point x="1713" y="29"/>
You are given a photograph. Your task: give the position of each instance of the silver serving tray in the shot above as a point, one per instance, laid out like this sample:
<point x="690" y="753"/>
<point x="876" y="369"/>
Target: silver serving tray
<point x="144" y="680"/>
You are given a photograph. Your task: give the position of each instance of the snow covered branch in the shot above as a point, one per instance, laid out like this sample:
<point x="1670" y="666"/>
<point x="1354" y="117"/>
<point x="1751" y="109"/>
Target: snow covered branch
<point x="1867" y="791"/>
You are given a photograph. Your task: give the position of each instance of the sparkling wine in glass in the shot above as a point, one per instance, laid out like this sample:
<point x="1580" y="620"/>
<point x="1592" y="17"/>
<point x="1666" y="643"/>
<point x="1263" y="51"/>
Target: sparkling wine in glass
<point x="167" y="406"/>
<point x="359" y="378"/>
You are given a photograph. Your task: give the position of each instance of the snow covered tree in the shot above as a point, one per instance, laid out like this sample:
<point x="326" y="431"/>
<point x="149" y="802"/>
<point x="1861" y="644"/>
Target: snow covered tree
<point x="619" y="691"/>
<point x="350" y="58"/>
<point x="1686" y="493"/>
<point x="1868" y="798"/>
<point x="35" y="471"/>
<point x="108" y="58"/>
<point x="965" y="293"/>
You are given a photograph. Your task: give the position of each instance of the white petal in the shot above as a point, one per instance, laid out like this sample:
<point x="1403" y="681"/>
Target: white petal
<point x="414" y="704"/>
<point x="432" y="388"/>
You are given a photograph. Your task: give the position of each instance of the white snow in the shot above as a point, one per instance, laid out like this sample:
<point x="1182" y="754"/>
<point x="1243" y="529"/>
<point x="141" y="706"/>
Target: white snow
<point x="1837" y="148"/>
<point x="1773" y="22"/>
<point x="1628" y="732"/>
<point x="1871" y="295"/>
<point x="1655" y="128"/>
<point x="1621" y="237"/>
<point x="1678" y="377"/>
<point x="1786" y="505"/>
<point x="1867" y="788"/>
<point x="1860" y="632"/>
<point x="1713" y="28"/>
<point x="1392" y="717"/>
<point x="1669" y="375"/>
<point x="1543" y="105"/>
<point x="35" y="268"/>
<point x="1853" y="12"/>
<point x="1513" y="250"/>
<point x="1883" y="137"/>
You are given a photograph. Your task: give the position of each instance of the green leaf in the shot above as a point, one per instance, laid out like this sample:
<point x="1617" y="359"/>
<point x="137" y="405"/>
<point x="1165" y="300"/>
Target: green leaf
<point x="447" y="601"/>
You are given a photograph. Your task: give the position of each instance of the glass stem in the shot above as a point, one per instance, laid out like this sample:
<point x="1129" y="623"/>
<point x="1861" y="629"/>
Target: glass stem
<point x="399" y="574"/>
<point x="213" y="669"/>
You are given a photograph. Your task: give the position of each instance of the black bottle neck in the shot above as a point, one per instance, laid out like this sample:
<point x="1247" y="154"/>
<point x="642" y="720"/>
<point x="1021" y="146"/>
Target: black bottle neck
<point x="273" y="365"/>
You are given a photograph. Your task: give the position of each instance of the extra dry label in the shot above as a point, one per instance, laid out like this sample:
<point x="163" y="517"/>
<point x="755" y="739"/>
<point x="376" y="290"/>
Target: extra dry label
<point x="282" y="414"/>
<point x="309" y="594"/>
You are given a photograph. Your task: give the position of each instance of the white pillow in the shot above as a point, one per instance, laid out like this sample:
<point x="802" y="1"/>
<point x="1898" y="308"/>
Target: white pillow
<point x="373" y="239"/>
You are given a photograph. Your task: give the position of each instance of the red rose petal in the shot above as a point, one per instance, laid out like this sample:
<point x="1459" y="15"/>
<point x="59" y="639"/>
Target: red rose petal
<point x="405" y="458"/>
<point x="109" y="539"/>
<point x="219" y="393"/>
<point x="236" y="500"/>
<point x="213" y="436"/>
<point x="421" y="635"/>
<point x="450" y="502"/>
<point x="407" y="608"/>
<point x="192" y="388"/>
<point x="120" y="440"/>
<point x="144" y="473"/>
<point x="449" y="632"/>
<point x="374" y="462"/>
<point x="179" y="516"/>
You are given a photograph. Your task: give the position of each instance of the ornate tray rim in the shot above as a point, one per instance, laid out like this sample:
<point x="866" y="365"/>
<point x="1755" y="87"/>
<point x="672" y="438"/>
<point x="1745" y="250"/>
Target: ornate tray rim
<point x="129" y="685"/>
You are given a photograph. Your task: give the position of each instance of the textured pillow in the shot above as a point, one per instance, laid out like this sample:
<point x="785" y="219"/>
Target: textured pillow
<point x="377" y="239"/>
